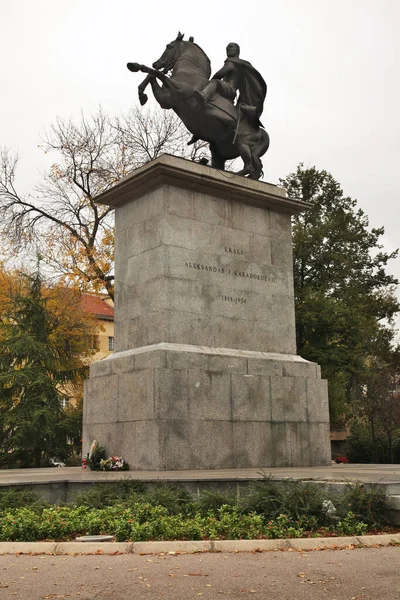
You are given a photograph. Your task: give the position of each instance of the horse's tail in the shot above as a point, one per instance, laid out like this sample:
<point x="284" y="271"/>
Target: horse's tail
<point x="263" y="145"/>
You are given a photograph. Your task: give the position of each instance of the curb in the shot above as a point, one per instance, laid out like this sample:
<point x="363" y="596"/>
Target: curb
<point x="192" y="547"/>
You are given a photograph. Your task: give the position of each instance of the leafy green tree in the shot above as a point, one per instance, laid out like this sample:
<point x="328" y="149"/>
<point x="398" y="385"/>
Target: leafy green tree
<point x="36" y="367"/>
<point x="344" y="297"/>
<point x="376" y="408"/>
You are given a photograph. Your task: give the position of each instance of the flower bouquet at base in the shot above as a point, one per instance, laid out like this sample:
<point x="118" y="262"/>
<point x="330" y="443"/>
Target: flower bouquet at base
<point x="95" y="456"/>
<point x="114" y="463"/>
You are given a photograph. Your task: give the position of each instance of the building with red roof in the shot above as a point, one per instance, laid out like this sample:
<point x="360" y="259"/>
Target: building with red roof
<point x="102" y="308"/>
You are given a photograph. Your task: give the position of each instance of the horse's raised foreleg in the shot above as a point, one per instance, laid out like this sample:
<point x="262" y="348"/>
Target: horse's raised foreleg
<point x="161" y="94"/>
<point x="135" y="67"/>
<point x="142" y="96"/>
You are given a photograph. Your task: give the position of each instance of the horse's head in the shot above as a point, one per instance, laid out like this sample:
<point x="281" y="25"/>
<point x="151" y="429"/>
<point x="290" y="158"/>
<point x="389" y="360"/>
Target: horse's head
<point x="170" y="55"/>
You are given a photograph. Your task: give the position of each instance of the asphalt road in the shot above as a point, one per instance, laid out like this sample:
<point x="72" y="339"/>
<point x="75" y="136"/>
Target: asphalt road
<point x="350" y="574"/>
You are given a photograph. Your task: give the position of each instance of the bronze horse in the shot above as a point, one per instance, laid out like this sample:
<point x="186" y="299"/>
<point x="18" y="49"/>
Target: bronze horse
<point x="229" y="131"/>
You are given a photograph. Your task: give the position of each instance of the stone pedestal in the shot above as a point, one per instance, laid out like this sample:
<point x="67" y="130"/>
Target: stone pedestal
<point x="205" y="373"/>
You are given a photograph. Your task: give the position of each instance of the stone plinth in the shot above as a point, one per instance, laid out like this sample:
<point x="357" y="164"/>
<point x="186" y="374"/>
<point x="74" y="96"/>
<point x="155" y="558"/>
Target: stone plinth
<point x="205" y="373"/>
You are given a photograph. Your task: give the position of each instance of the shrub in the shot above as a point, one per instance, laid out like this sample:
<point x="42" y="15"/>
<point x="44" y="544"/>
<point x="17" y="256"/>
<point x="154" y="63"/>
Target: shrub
<point x="110" y="494"/>
<point x="21" y="498"/>
<point x="168" y="512"/>
<point x="20" y="525"/>
<point x="293" y="498"/>
<point x="209" y="502"/>
<point x="350" y="525"/>
<point x="171" y="496"/>
<point x="368" y="505"/>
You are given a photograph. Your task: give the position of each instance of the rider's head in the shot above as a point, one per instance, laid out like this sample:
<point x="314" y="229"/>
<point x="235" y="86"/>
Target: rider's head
<point x="233" y="49"/>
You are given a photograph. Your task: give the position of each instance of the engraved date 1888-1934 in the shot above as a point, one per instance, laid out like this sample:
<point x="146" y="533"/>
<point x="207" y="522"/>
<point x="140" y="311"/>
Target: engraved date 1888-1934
<point x="234" y="299"/>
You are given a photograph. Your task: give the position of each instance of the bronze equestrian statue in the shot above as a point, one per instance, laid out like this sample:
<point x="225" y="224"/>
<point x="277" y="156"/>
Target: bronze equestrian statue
<point x="207" y="107"/>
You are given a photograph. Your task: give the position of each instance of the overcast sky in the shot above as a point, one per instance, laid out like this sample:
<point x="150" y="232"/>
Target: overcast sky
<point x="332" y="69"/>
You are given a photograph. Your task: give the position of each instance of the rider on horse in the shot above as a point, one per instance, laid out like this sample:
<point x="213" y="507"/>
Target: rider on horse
<point x="237" y="74"/>
<point x="209" y="109"/>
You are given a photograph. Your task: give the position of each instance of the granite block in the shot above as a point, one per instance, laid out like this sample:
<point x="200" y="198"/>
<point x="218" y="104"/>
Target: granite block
<point x="123" y="364"/>
<point x="179" y="449"/>
<point x="317" y="400"/>
<point x="158" y="327"/>
<point x="146" y="266"/>
<point x="141" y="237"/>
<point x="281" y="443"/>
<point x="152" y="359"/>
<point x="139" y="300"/>
<point x="299" y="440"/>
<point x="209" y="209"/>
<point x="281" y="253"/>
<point x="187" y="296"/>
<point x="103" y="404"/>
<point x="211" y="443"/>
<point x="242" y="445"/>
<point x="209" y="395"/>
<point x="263" y="450"/>
<point x="147" y="446"/>
<point x="226" y="364"/>
<point x="148" y="206"/>
<point x="288" y="399"/>
<point x="178" y="201"/>
<point x="136" y="396"/>
<point x="280" y="226"/>
<point x="189" y="328"/>
<point x="251" y="398"/>
<point x="171" y="389"/>
<point x="185" y="360"/>
<point x="299" y="369"/>
<point x="107" y="434"/>
<point x="260" y="249"/>
<point x="101" y="368"/>
<point x="121" y="336"/>
<point x="320" y="453"/>
<point x="249" y="218"/>
<point x="134" y="334"/>
<point x="259" y="366"/>
<point x="187" y="234"/>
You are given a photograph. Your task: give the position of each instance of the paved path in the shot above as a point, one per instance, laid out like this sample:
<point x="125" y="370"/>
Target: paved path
<point x="363" y="473"/>
<point x="350" y="574"/>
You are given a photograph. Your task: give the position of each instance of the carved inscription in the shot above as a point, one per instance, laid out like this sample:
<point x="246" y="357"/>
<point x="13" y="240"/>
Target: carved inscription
<point x="231" y="272"/>
<point x="234" y="299"/>
<point x="236" y="251"/>
<point x="227" y="271"/>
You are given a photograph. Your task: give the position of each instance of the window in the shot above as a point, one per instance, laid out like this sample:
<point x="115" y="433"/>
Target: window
<point x="110" y="343"/>
<point x="65" y="402"/>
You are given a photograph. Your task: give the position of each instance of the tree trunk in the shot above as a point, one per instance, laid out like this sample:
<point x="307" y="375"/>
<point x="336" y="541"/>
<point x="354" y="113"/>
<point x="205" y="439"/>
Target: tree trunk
<point x="38" y="457"/>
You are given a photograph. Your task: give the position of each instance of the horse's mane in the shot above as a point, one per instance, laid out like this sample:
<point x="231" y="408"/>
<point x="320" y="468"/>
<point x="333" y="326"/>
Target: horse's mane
<point x="204" y="55"/>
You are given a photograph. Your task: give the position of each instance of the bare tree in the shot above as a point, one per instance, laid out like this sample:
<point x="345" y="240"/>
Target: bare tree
<point x="72" y="232"/>
<point x="147" y="135"/>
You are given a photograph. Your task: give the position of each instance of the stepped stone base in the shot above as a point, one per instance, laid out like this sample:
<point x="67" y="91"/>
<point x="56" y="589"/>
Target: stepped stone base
<point x="173" y="406"/>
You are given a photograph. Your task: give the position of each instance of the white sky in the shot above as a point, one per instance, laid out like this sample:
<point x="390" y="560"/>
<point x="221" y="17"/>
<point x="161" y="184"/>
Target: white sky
<point x="332" y="69"/>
